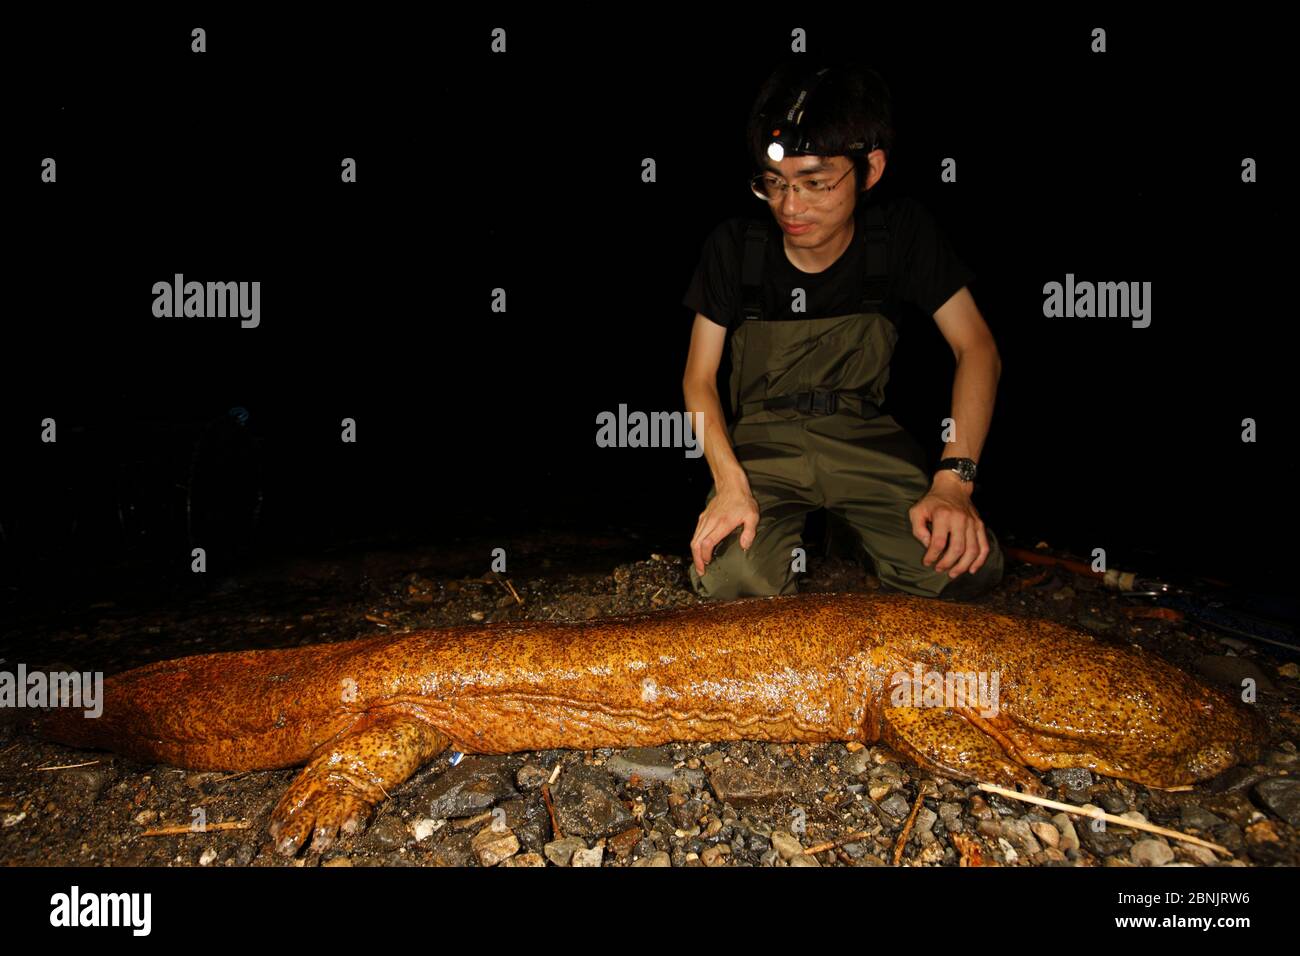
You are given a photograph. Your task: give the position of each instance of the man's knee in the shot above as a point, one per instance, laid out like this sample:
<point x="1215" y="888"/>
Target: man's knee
<point x="735" y="573"/>
<point x="926" y="582"/>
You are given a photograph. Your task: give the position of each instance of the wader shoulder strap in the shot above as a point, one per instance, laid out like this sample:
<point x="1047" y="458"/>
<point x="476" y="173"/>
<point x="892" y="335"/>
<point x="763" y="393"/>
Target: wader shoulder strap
<point x="874" y="282"/>
<point x="751" y="270"/>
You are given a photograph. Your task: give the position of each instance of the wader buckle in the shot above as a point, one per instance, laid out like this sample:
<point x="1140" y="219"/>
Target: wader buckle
<point x="819" y="401"/>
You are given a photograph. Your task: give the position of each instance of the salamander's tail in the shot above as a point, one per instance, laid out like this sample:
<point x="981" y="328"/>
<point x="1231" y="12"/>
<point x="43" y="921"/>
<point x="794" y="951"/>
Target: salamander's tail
<point x="234" y="711"/>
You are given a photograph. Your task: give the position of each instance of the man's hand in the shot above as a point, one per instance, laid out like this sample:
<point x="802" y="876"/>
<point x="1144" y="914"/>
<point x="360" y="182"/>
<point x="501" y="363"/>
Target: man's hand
<point x="730" y="508"/>
<point x="946" y="519"/>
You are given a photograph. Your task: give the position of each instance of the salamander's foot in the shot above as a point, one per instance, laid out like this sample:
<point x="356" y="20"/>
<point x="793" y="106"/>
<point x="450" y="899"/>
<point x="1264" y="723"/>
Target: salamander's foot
<point x="314" y="810"/>
<point x="339" y="789"/>
<point x="943" y="741"/>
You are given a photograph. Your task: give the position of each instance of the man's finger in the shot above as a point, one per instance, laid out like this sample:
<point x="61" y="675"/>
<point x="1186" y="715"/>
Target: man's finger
<point x="938" y="539"/>
<point x="983" y="538"/>
<point x="920" y="530"/>
<point x="702" y="548"/>
<point x="956" y="544"/>
<point x="751" y="530"/>
<point x="969" y="553"/>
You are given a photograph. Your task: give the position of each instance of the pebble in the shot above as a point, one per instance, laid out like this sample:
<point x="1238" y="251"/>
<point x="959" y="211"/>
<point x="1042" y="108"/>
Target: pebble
<point x="590" y="857"/>
<point x="658" y="858"/>
<point x="856" y="763"/>
<point x="1193" y="817"/>
<point x="896" y="806"/>
<point x="1282" y="796"/>
<point x="1069" y="838"/>
<point x="492" y="846"/>
<point x="1151" y="853"/>
<point x="560" y="852"/>
<point x="785" y="844"/>
<point x="531" y="777"/>
<point x="803" y="859"/>
<point x="426" y="827"/>
<point x="1198" y="854"/>
<point x="1045" y="832"/>
<point x="1019" y="832"/>
<point x="715" y="855"/>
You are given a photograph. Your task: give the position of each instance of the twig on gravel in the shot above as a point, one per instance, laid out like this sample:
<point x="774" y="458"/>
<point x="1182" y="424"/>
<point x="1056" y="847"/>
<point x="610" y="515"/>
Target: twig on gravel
<point x="835" y="844"/>
<point x="1103" y="815"/>
<point x="70" y="766"/>
<point x="182" y="829"/>
<point x="907" y="827"/>
<point x="550" y="808"/>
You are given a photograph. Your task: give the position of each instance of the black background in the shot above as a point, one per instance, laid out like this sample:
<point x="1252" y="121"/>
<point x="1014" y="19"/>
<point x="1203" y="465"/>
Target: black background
<point x="522" y="171"/>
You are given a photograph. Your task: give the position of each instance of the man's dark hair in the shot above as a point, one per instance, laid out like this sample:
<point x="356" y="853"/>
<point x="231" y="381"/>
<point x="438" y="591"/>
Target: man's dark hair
<point x="851" y="104"/>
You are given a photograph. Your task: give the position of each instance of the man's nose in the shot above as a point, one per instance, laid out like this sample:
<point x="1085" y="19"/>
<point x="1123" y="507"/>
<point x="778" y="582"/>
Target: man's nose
<point x="790" y="205"/>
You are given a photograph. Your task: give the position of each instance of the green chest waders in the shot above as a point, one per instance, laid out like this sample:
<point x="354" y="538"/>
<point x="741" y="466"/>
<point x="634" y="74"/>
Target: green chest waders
<point x="810" y="433"/>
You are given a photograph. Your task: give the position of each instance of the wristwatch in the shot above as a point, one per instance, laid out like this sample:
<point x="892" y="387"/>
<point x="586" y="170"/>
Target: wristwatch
<point x="965" y="467"/>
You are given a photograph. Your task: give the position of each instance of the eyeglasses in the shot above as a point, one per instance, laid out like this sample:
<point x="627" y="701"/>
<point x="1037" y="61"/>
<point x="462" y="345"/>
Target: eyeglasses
<point x="770" y="187"/>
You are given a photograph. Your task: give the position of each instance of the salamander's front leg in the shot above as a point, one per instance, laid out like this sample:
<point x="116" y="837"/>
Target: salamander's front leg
<point x="941" y="740"/>
<point x="343" y="783"/>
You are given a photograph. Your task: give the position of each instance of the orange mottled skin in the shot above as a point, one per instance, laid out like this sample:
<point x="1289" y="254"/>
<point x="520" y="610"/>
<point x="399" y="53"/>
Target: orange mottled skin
<point x="366" y="714"/>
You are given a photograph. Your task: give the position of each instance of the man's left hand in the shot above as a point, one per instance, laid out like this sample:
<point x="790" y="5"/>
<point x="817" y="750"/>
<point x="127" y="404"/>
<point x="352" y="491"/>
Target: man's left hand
<point x="946" y="522"/>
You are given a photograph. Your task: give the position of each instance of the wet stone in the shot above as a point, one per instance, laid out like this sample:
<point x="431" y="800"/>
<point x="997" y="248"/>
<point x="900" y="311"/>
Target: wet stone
<point x="492" y="846"/>
<point x="1230" y="836"/>
<point x="1151" y="853"/>
<point x="560" y="852"/>
<point x="1235" y="778"/>
<point x="896" y="806"/>
<point x="586" y="804"/>
<point x="785" y="844"/>
<point x="1018" y="832"/>
<point x="1101" y="842"/>
<point x="531" y="777"/>
<point x="592" y="857"/>
<point x="648" y="763"/>
<point x="1195" y="817"/>
<point x="1282" y="796"/>
<point x="468" y="789"/>
<point x="1112" y="802"/>
<point x="739" y="785"/>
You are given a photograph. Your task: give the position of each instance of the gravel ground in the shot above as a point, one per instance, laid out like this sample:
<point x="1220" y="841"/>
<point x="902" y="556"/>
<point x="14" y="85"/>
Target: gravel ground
<point x="740" y="803"/>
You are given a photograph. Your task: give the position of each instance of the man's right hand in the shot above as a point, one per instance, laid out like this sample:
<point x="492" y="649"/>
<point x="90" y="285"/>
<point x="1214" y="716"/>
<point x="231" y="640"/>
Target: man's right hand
<point x="730" y="508"/>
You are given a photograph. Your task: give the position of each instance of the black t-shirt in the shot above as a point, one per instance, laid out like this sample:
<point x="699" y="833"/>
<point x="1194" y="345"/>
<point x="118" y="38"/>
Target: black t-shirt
<point x="923" y="270"/>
